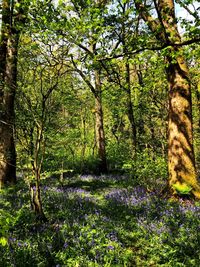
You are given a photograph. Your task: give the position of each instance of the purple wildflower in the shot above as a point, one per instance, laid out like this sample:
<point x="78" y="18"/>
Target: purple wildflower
<point x="65" y="245"/>
<point x="110" y="247"/>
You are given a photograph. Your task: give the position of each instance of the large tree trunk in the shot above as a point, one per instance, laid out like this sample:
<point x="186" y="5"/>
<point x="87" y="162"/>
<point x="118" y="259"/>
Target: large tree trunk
<point x="9" y="102"/>
<point x="8" y="81"/>
<point x="3" y="45"/>
<point x="3" y="50"/>
<point x="181" y="160"/>
<point x="197" y="93"/>
<point x="99" y="128"/>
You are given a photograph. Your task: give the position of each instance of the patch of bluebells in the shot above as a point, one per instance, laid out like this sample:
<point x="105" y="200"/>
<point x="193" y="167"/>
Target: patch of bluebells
<point x="68" y="191"/>
<point x="18" y="243"/>
<point x="112" y="236"/>
<point x="151" y="211"/>
<point x="103" y="178"/>
<point x="154" y="214"/>
<point x="137" y="196"/>
<point x="87" y="230"/>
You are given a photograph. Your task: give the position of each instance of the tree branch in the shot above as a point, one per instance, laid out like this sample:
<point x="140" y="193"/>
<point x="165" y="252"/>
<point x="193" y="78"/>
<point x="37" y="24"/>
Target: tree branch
<point x="86" y="80"/>
<point x="194" y="14"/>
<point x="155" y="48"/>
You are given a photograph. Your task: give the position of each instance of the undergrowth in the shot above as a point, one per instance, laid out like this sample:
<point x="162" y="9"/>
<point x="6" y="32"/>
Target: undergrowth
<point x="98" y="221"/>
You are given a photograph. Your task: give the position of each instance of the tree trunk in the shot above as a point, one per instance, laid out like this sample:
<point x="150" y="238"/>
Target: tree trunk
<point x="181" y="160"/>
<point x="36" y="202"/>
<point x="197" y="93"/>
<point x="140" y="124"/>
<point x="130" y="108"/>
<point x="8" y="81"/>
<point x="83" y="137"/>
<point x="127" y="85"/>
<point x="3" y="45"/>
<point x="99" y="129"/>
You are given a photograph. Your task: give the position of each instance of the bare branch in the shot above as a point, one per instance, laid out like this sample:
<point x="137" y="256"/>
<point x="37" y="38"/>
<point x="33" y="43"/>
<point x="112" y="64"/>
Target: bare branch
<point x="86" y="80"/>
<point x="153" y="48"/>
<point x="194" y="14"/>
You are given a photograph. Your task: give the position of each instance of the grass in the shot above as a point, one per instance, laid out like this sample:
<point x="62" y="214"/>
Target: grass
<point x="99" y="221"/>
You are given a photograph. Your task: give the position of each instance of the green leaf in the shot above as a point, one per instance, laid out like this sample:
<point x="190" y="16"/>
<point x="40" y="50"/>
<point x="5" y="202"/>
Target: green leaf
<point x="183" y="188"/>
<point x="3" y="241"/>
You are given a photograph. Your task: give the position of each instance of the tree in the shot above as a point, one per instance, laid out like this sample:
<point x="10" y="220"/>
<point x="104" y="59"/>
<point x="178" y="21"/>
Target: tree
<point x="40" y="69"/>
<point x="96" y="90"/>
<point x="86" y="41"/>
<point x="13" y="19"/>
<point x="181" y="160"/>
<point x="122" y="28"/>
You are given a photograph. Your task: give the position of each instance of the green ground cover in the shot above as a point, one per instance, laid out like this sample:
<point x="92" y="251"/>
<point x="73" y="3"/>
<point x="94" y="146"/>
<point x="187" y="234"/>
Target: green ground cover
<point x="98" y="221"/>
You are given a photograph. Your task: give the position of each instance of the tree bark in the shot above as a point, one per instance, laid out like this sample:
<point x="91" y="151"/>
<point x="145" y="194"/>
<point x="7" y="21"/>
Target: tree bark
<point x="99" y="128"/>
<point x="127" y="85"/>
<point x="9" y="47"/>
<point x="181" y="160"/>
<point x="3" y="51"/>
<point x="36" y="201"/>
<point x="130" y="108"/>
<point x="3" y="44"/>
<point x="197" y="93"/>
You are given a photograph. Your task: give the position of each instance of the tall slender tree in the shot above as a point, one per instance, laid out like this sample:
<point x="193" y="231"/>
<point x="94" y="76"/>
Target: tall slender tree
<point x="96" y="90"/>
<point x="87" y="42"/>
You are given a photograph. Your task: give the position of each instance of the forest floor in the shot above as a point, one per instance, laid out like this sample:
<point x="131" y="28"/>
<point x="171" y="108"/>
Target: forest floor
<point x="98" y="221"/>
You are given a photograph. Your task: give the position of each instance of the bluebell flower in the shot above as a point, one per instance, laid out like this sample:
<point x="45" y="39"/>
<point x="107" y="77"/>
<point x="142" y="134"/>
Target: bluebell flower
<point x="65" y="245"/>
